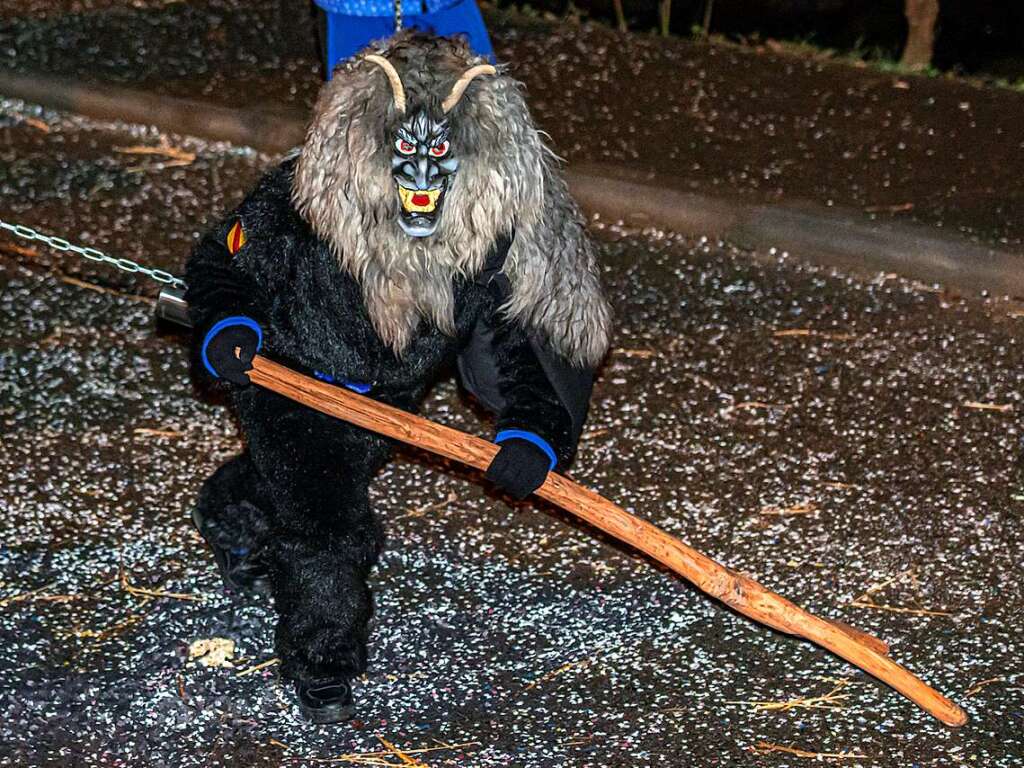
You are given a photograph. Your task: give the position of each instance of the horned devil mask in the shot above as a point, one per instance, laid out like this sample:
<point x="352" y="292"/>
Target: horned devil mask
<point x="420" y="155"/>
<point x="423" y="163"/>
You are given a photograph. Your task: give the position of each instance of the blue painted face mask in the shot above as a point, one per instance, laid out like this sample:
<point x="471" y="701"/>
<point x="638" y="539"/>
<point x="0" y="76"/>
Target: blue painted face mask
<point x="423" y="165"/>
<point x="422" y="162"/>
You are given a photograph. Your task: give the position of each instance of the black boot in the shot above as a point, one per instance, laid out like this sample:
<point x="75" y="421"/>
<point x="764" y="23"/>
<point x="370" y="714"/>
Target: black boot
<point x="238" y="558"/>
<point x="325" y="699"/>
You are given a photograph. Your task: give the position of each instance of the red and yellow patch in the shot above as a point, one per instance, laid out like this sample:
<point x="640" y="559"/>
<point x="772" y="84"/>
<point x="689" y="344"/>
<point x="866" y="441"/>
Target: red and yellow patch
<point x="236" y="238"/>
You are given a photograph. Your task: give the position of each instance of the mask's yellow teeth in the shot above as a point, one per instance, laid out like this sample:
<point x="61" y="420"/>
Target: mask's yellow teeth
<point x="419" y="200"/>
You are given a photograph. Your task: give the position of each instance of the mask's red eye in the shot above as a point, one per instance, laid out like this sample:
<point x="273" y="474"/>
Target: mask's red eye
<point x="404" y="147"/>
<point x="440" y="150"/>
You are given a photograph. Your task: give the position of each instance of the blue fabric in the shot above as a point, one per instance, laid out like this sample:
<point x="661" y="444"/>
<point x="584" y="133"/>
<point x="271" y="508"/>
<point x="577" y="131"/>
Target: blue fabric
<point x="355" y="386"/>
<point x="348" y="32"/>
<point x="383" y="8"/>
<point x="530" y="437"/>
<point x="227" y="322"/>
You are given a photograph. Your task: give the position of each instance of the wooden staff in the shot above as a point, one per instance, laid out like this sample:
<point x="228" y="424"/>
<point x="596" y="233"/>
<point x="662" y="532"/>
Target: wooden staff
<point x="734" y="589"/>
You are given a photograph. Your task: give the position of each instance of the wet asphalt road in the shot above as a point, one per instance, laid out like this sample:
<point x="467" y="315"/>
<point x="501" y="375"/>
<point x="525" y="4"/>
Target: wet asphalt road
<point x="847" y="440"/>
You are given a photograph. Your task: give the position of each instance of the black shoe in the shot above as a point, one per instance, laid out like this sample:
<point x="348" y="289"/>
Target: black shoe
<point x="325" y="699"/>
<point x="240" y="568"/>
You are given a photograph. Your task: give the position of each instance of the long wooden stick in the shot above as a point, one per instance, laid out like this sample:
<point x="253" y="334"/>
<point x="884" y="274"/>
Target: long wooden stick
<point x="734" y="589"/>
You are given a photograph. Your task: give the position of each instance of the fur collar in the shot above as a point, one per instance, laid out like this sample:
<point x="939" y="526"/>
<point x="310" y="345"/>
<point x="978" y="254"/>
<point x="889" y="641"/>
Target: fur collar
<point x="344" y="188"/>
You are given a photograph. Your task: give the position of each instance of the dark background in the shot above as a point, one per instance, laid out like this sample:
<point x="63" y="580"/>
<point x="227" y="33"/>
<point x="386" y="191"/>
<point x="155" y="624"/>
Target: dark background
<point x="974" y="36"/>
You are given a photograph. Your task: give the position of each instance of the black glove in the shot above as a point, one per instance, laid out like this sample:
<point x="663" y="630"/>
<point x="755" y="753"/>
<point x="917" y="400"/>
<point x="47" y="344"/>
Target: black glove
<point x="219" y="348"/>
<point x="522" y="464"/>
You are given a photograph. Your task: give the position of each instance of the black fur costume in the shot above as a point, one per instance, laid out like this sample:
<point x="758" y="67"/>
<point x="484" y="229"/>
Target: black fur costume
<point x="299" y="491"/>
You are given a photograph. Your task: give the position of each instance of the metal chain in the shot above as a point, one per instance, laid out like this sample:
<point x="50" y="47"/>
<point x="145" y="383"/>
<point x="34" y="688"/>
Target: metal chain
<point x="93" y="254"/>
<point x="398" y="16"/>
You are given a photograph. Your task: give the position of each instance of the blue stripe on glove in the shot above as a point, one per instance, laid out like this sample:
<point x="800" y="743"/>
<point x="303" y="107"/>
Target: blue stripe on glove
<point x="530" y="437"/>
<point x="227" y="322"/>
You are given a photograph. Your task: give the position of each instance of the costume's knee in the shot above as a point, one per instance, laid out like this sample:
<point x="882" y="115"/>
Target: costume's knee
<point x="335" y="507"/>
<point x="227" y="485"/>
<point x="321" y="565"/>
<point x="232" y="501"/>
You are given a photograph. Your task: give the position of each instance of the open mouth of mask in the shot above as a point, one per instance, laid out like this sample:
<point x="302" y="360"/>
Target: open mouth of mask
<point x="415" y="201"/>
<point x="420" y="209"/>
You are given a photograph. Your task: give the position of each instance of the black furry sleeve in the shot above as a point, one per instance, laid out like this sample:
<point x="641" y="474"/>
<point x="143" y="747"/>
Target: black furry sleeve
<point x="529" y="400"/>
<point x="232" y="269"/>
<point x="218" y="287"/>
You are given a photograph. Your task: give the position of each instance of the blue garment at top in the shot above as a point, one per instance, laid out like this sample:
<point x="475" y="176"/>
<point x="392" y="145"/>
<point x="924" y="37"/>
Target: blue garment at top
<point x="384" y="8"/>
<point x="353" y="24"/>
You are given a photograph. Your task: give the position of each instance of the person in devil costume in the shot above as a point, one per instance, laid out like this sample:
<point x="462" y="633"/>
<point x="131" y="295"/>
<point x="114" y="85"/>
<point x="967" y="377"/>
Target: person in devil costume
<point x="420" y="223"/>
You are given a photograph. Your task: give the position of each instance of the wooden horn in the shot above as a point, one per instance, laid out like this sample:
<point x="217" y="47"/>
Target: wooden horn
<point x="739" y="592"/>
<point x="396" y="82"/>
<point x="463" y="83"/>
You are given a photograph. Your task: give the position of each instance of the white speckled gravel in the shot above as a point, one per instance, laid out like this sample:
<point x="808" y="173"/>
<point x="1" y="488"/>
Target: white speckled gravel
<point x="511" y="628"/>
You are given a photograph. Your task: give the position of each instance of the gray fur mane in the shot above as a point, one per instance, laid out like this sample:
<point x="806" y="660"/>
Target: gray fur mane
<point x="344" y="188"/>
